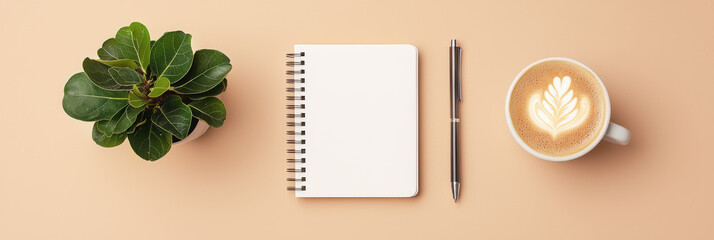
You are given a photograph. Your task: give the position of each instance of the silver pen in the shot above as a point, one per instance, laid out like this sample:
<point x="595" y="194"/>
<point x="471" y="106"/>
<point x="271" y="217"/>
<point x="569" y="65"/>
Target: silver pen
<point x="455" y="88"/>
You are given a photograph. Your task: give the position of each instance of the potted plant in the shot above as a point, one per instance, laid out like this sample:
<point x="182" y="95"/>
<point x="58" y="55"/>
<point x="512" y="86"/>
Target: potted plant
<point x="152" y="92"/>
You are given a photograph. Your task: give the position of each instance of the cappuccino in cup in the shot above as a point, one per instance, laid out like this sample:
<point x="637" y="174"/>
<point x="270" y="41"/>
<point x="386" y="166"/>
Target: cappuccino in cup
<point x="558" y="109"/>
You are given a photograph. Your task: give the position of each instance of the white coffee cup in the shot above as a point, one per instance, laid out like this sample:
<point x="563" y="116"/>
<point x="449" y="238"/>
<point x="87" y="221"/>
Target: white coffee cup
<point x="613" y="133"/>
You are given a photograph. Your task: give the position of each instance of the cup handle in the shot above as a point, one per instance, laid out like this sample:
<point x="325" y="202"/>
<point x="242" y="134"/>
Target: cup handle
<point x="617" y="134"/>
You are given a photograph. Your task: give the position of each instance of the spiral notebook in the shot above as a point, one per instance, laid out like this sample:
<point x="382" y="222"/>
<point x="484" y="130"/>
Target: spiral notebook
<point x="354" y="119"/>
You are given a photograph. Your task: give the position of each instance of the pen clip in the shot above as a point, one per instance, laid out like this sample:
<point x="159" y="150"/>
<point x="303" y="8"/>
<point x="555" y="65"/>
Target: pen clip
<point x="459" y="73"/>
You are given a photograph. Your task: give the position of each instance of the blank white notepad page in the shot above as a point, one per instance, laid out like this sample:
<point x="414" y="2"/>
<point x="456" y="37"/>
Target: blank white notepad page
<point x="361" y="120"/>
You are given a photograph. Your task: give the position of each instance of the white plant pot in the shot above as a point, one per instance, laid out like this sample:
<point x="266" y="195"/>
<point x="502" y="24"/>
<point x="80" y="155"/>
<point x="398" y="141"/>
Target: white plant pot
<point x="200" y="129"/>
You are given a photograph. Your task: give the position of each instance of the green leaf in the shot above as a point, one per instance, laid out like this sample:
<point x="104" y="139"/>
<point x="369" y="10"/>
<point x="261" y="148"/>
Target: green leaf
<point x="110" y="50"/>
<point x="136" y="99"/>
<point x="135" y="90"/>
<point x="125" y="76"/>
<point x="210" y="109"/>
<point x="121" y="121"/>
<point x="120" y="63"/>
<point x="131" y="42"/>
<point x="160" y="86"/>
<point x="141" y="119"/>
<point x="208" y="70"/>
<point x="99" y="74"/>
<point x="103" y="126"/>
<point x="171" y="56"/>
<point x="173" y="117"/>
<point x="111" y="140"/>
<point x="218" y="89"/>
<point x="141" y="43"/>
<point x="87" y="102"/>
<point x="150" y="142"/>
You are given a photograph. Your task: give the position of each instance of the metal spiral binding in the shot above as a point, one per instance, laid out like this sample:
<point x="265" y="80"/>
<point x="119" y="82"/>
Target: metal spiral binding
<point x="295" y="63"/>
<point x="296" y="106"/>
<point x="303" y="188"/>
<point x="297" y="170"/>
<point x="295" y="80"/>
<point x="294" y="55"/>
<point x="297" y="150"/>
<point x="295" y="98"/>
<point x="295" y="72"/>
<point x="293" y="141"/>
<point x="292" y="115"/>
<point x="295" y="89"/>
<point x="296" y="120"/>
<point x="296" y="133"/>
<point x="295" y="160"/>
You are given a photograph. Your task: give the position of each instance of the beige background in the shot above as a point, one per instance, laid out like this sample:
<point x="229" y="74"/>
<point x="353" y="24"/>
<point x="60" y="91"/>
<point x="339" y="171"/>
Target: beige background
<point x="655" y="58"/>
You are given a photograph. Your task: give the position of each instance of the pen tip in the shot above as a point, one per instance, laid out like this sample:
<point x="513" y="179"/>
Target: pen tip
<point x="453" y="42"/>
<point x="455" y="187"/>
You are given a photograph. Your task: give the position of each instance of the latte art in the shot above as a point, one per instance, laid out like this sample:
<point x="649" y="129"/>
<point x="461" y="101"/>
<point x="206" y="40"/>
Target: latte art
<point x="557" y="109"/>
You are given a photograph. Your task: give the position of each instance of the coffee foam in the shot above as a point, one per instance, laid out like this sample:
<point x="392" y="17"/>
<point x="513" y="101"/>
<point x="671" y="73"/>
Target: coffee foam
<point x="580" y="104"/>
<point x="558" y="109"/>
